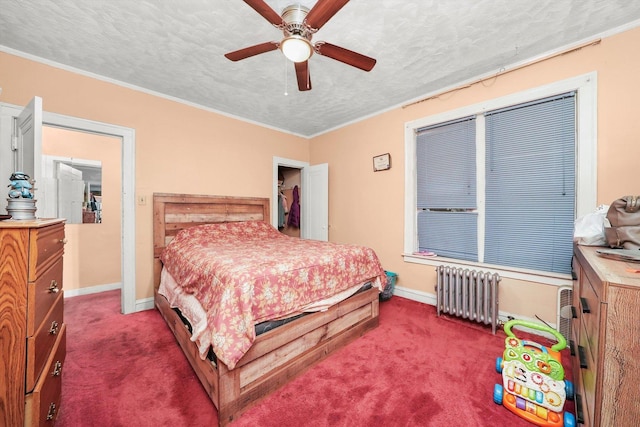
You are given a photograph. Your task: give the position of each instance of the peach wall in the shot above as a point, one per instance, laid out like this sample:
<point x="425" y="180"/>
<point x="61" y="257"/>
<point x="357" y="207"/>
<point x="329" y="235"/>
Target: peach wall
<point x="92" y="253"/>
<point x="355" y="188"/>
<point x="184" y="149"/>
<point x="179" y="148"/>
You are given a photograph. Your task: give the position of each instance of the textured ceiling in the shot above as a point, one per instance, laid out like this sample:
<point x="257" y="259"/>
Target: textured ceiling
<point x="177" y="47"/>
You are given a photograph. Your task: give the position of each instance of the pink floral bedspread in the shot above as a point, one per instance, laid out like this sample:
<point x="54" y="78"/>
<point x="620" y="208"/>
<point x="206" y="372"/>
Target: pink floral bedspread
<point x="244" y="273"/>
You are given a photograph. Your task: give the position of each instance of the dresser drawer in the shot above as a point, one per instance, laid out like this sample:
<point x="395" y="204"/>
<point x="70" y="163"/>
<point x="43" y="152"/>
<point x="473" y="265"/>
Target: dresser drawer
<point x="575" y="306"/>
<point x="40" y="344"/>
<point x="41" y="295"/>
<point x="588" y="376"/>
<point x="583" y="419"/>
<point x="577" y="270"/>
<point x="43" y="404"/>
<point x="576" y="325"/>
<point x="581" y="410"/>
<point x="49" y="243"/>
<point x="590" y="315"/>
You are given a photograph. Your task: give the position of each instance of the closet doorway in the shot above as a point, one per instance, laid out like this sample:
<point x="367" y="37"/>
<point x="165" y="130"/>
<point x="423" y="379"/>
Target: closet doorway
<point x="313" y="189"/>
<point x="289" y="187"/>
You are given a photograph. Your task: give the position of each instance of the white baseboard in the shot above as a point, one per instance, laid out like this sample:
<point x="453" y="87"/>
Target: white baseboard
<point x="431" y="299"/>
<point x="141" y="304"/>
<point x="144" y="304"/>
<point x="92" y="290"/>
<point x="412" y="294"/>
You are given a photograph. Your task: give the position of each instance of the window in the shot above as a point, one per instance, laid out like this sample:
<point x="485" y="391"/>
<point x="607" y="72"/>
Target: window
<point x="446" y="184"/>
<point x="499" y="186"/>
<point x="530" y="185"/>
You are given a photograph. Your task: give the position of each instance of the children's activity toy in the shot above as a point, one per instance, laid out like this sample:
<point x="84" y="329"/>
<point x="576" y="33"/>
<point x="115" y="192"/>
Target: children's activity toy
<point x="533" y="385"/>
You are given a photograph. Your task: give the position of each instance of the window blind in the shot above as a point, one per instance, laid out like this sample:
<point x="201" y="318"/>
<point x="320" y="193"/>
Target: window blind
<point x="446" y="165"/>
<point x="530" y="184"/>
<point x="446" y="189"/>
<point x="449" y="234"/>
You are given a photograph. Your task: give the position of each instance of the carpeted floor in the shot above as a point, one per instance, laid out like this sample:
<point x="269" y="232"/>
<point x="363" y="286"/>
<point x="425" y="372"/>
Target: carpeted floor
<point x="415" y="369"/>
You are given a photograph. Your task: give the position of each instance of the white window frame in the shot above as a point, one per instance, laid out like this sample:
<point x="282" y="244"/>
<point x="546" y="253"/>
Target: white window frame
<point x="586" y="86"/>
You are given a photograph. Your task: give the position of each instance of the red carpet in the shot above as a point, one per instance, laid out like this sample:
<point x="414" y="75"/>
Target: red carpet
<point x="415" y="369"/>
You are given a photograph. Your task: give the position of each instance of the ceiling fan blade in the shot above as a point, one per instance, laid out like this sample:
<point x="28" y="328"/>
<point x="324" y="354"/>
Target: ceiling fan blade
<point x="345" y="55"/>
<point x="323" y="11"/>
<point x="265" y="10"/>
<point x="302" y="74"/>
<point x="251" y="51"/>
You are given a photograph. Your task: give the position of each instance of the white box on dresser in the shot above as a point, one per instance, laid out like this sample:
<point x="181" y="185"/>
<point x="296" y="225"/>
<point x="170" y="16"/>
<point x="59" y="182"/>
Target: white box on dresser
<point x="606" y="340"/>
<point x="32" y="329"/>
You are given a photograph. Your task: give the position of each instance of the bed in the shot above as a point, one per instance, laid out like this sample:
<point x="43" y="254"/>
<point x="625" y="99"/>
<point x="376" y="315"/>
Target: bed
<point x="273" y="357"/>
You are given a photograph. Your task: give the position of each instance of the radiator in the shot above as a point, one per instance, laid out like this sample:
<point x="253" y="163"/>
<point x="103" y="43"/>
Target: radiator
<point x="468" y="294"/>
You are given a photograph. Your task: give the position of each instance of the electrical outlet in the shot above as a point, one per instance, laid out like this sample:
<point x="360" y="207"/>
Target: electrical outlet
<point x="142" y="200"/>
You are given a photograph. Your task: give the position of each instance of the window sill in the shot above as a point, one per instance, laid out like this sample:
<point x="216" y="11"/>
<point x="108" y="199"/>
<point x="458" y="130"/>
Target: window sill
<point x="554" y="279"/>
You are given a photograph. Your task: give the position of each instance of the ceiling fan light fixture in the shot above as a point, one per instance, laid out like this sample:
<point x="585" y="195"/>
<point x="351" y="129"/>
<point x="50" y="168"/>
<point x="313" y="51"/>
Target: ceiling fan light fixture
<point x="298" y="25"/>
<point x="296" y="48"/>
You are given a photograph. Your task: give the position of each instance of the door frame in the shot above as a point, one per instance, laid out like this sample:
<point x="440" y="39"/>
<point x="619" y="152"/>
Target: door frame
<point x="128" y="223"/>
<point x="295" y="164"/>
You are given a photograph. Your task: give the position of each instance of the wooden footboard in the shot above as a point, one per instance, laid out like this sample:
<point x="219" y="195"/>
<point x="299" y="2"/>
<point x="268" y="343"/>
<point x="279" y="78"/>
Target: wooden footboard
<point x="276" y="356"/>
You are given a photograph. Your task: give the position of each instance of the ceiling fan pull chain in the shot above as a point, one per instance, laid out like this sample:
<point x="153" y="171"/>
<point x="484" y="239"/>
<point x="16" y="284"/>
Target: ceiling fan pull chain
<point x="286" y="77"/>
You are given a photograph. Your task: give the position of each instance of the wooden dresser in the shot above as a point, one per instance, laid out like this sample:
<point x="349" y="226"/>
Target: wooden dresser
<point x="32" y="329"/>
<point x="606" y="340"/>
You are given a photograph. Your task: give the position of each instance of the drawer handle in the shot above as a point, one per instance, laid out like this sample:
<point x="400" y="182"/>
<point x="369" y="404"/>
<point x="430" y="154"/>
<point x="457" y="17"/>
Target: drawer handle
<point x="585" y="305"/>
<point x="57" y="369"/>
<point x="572" y="348"/>
<point x="53" y="330"/>
<point x="53" y="287"/>
<point x="63" y="241"/>
<point x="574" y="314"/>
<point x="579" y="412"/>
<point x="583" y="357"/>
<point x="52" y="411"/>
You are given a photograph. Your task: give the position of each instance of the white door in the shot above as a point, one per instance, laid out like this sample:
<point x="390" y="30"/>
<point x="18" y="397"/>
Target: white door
<point x="27" y="141"/>
<point x="315" y="206"/>
<point x="70" y="193"/>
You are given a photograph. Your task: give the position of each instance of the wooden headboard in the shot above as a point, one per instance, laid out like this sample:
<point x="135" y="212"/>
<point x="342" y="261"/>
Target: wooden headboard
<point x="173" y="212"/>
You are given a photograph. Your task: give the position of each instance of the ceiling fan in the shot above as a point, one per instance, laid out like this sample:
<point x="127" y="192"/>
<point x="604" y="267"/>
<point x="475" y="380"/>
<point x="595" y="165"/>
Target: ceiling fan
<point x="298" y="24"/>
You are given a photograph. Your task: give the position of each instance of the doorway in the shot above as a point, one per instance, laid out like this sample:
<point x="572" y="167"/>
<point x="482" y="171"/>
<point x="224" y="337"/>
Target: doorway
<point x="126" y="136"/>
<point x="81" y="181"/>
<point x="314" y="197"/>
<point x="289" y="188"/>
